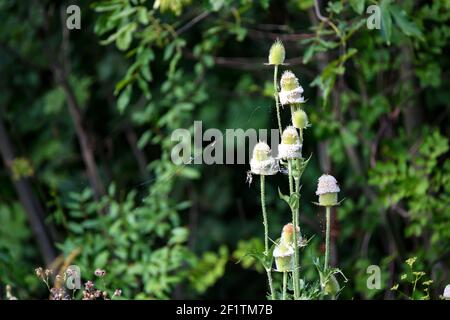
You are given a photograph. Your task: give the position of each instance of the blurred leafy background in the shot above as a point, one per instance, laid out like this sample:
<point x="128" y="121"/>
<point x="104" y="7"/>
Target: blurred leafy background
<point x="86" y="117"/>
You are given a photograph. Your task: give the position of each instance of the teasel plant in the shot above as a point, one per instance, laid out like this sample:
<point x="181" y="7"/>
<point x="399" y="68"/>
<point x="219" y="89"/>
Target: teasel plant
<point x="264" y="164"/>
<point x="285" y="251"/>
<point x="327" y="190"/>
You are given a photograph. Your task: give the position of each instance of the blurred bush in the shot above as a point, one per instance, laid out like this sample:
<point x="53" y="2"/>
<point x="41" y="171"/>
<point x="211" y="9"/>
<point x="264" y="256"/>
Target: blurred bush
<point x="137" y="70"/>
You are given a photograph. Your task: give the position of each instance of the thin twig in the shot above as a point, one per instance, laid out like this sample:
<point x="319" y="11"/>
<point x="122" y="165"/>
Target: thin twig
<point x="193" y="22"/>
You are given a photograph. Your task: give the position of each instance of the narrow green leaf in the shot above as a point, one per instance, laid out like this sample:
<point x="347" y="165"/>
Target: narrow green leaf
<point x="386" y="21"/>
<point x="124" y="99"/>
<point x="408" y="27"/>
<point x="357" y="5"/>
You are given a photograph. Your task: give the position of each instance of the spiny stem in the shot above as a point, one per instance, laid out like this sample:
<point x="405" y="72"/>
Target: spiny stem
<point x="297" y="190"/>
<point x="284" y="284"/>
<point x="291" y="181"/>
<point x="275" y="87"/>
<point x="269" y="277"/>
<point x="327" y="238"/>
<point x="296" y="276"/>
<point x="295" y="273"/>
<point x="264" y="213"/>
<point x="266" y="234"/>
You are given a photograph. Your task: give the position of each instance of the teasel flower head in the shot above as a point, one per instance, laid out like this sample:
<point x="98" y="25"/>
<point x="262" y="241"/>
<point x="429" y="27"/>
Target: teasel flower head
<point x="284" y="257"/>
<point x="262" y="162"/>
<point x="331" y="287"/>
<point x="291" y="90"/>
<point x="289" y="81"/>
<point x="277" y="53"/>
<point x="327" y="190"/>
<point x="9" y="295"/>
<point x="446" y="294"/>
<point x="300" y="119"/>
<point x="290" y="146"/>
<point x="287" y="235"/>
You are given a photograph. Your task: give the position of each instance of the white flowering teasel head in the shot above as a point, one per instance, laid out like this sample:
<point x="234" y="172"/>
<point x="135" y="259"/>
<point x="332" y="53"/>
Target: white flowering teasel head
<point x="446" y="294"/>
<point x="327" y="190"/>
<point x="290" y="146"/>
<point x="262" y="162"/>
<point x="291" y="90"/>
<point x="284" y="250"/>
<point x="284" y="258"/>
<point x="277" y="53"/>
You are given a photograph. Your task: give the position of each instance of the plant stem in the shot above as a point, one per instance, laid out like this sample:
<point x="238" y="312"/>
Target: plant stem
<point x="327" y="238"/>
<point x="275" y="87"/>
<point x="266" y="234"/>
<point x="264" y="213"/>
<point x="291" y="180"/>
<point x="284" y="284"/>
<point x="269" y="278"/>
<point x="295" y="273"/>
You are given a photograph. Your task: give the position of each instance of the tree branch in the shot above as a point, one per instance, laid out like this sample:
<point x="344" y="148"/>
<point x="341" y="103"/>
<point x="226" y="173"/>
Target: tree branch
<point x="33" y="209"/>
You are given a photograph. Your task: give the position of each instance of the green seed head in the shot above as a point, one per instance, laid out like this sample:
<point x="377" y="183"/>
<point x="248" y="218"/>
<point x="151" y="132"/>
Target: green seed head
<point x="284" y="263"/>
<point x="290" y="136"/>
<point x="328" y="199"/>
<point x="300" y="119"/>
<point x="276" y="53"/>
<point x="284" y="258"/>
<point x="261" y="151"/>
<point x="289" y="81"/>
<point x="332" y="286"/>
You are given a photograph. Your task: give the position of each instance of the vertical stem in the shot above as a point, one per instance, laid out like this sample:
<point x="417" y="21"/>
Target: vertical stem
<point x="284" y="284"/>
<point x="269" y="277"/>
<point x="291" y="181"/>
<point x="266" y="235"/>
<point x="264" y="213"/>
<point x="295" y="273"/>
<point x="277" y="105"/>
<point x="297" y="190"/>
<point x="327" y="238"/>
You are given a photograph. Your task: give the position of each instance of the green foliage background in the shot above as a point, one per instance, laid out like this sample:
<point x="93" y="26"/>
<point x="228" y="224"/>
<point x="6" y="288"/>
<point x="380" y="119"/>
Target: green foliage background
<point x="378" y="101"/>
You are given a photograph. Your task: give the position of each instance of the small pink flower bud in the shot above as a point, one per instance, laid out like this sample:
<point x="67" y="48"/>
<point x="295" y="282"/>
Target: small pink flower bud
<point x="100" y="273"/>
<point x="287" y="235"/>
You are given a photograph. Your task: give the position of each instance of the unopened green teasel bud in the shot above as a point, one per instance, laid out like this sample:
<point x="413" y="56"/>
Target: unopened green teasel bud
<point x="262" y="162"/>
<point x="327" y="190"/>
<point x="290" y="146"/>
<point x="300" y="119"/>
<point x="332" y="286"/>
<point x="277" y="53"/>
